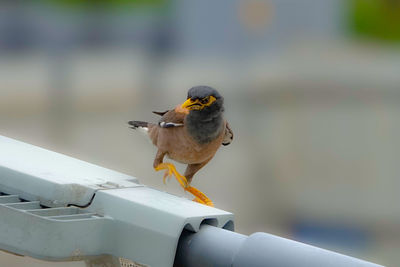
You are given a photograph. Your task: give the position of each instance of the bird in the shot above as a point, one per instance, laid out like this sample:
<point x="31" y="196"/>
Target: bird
<point x="191" y="134"/>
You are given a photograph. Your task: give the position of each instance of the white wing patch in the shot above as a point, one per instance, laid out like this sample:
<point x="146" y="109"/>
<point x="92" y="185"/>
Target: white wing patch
<point x="164" y="124"/>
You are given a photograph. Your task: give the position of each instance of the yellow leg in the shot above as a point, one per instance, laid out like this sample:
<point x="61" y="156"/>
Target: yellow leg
<point x="200" y="197"/>
<point x="169" y="170"/>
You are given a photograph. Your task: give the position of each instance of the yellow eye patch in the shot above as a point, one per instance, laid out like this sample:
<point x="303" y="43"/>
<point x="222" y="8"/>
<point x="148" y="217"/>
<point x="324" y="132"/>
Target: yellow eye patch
<point x="207" y="101"/>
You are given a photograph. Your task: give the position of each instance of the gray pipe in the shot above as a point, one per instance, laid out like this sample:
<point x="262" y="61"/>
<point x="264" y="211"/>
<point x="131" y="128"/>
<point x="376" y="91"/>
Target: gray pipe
<point x="216" y="247"/>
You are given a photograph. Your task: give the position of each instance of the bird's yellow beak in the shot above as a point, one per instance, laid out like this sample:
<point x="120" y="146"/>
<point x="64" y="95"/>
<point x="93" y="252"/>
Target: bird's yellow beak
<point x="185" y="107"/>
<point x="198" y="104"/>
<point x="192" y="105"/>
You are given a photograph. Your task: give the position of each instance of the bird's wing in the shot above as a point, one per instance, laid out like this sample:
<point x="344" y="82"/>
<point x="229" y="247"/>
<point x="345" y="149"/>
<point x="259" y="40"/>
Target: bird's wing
<point x="228" y="135"/>
<point x="161" y="113"/>
<point x="171" y="119"/>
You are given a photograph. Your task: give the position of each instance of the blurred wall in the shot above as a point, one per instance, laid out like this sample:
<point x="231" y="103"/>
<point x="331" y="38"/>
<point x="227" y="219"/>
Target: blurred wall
<point x="313" y="101"/>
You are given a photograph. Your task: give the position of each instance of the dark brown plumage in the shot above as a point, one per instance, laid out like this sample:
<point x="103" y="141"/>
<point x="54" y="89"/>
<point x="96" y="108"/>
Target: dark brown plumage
<point x="190" y="134"/>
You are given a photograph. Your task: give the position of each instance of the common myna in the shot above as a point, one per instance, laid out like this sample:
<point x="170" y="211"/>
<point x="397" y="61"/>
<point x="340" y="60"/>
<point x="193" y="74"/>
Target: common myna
<point x="191" y="134"/>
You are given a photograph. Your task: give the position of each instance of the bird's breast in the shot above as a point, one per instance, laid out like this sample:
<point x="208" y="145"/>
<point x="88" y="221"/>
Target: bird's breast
<point x="183" y="148"/>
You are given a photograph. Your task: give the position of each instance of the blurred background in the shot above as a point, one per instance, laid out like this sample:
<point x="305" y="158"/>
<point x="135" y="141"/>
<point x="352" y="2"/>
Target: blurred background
<point x="312" y="92"/>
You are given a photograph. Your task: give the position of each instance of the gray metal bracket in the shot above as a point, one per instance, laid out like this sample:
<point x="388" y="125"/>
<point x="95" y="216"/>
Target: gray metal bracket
<point x="57" y="208"/>
<point x="40" y="194"/>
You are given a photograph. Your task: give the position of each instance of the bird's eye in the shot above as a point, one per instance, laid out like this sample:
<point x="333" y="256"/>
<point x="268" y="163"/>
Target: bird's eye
<point x="205" y="100"/>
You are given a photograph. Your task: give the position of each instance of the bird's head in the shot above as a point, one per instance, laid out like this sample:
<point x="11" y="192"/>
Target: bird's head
<point x="202" y="98"/>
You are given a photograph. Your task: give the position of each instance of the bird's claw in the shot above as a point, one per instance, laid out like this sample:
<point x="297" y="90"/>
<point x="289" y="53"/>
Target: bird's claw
<point x="169" y="170"/>
<point x="167" y="174"/>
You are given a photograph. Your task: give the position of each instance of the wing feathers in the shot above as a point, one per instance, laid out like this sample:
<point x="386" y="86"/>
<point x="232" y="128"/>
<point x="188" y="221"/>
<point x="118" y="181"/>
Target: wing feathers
<point x="228" y="135"/>
<point x="164" y="124"/>
<point x="171" y="119"/>
<point x="161" y="113"/>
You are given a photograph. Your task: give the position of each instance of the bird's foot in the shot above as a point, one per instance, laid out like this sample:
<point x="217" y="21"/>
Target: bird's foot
<point x="169" y="170"/>
<point x="200" y="197"/>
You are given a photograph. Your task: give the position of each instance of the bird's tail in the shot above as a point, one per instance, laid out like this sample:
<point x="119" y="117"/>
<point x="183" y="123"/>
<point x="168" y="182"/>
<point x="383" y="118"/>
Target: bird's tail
<point x="141" y="125"/>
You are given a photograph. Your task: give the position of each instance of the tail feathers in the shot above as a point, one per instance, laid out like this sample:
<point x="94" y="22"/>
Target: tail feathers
<point x="139" y="124"/>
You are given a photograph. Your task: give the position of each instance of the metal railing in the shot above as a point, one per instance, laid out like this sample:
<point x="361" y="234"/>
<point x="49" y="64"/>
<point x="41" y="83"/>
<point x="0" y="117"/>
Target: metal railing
<point x="58" y="208"/>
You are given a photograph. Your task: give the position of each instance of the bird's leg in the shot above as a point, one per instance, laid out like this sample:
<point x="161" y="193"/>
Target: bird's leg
<point x="159" y="165"/>
<point x="200" y="197"/>
<point x="170" y="169"/>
